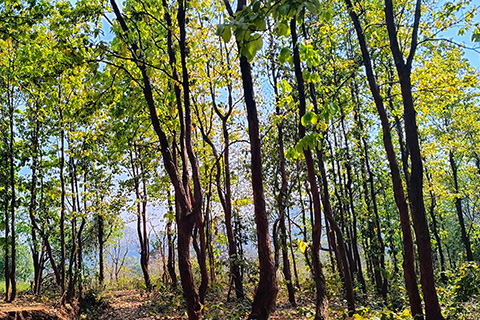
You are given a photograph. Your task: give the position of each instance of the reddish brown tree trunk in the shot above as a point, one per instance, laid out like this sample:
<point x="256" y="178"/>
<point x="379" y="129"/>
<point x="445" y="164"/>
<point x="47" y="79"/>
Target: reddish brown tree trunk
<point x="458" y="207"/>
<point x="415" y="185"/>
<point x="266" y="292"/>
<point x="282" y="195"/>
<point x="189" y="203"/>
<point x="321" y="304"/>
<point x="408" y="250"/>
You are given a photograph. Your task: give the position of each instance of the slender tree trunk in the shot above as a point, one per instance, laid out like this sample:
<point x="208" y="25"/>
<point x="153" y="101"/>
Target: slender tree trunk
<point x="341" y="247"/>
<point x="79" y="236"/>
<point x="292" y="252"/>
<point x="62" y="201"/>
<point x="415" y="185"/>
<point x="266" y="292"/>
<point x="141" y="197"/>
<point x="321" y="304"/>
<point x="304" y="218"/>
<point x="408" y="249"/>
<point x="37" y="266"/>
<point x="101" y="242"/>
<point x="208" y="235"/>
<point x="232" y="245"/>
<point x="73" y="255"/>
<point x="371" y="202"/>
<point x="458" y="207"/>
<point x="226" y="194"/>
<point x="7" y="230"/>
<point x="201" y="251"/>
<point x="348" y="186"/>
<point x="13" y="199"/>
<point x="145" y="257"/>
<point x="433" y="204"/>
<point x="282" y="195"/>
<point x="171" y="246"/>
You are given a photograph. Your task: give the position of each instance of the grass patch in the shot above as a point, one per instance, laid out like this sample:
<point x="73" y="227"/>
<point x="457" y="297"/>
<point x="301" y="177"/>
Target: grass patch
<point x="22" y="287"/>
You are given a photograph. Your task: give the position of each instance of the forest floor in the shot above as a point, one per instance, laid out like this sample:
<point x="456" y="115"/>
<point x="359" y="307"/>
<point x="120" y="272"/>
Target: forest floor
<point x="27" y="307"/>
<point x="142" y="305"/>
<point x="135" y="304"/>
<point x="168" y="304"/>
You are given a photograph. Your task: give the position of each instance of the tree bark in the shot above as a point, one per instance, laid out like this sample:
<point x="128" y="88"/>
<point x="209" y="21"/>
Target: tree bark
<point x="189" y="203"/>
<point x="13" y="199"/>
<point x="282" y="195"/>
<point x="266" y="292"/>
<point x="37" y="266"/>
<point x="321" y="302"/>
<point x="415" y="185"/>
<point x="458" y="207"/>
<point x="408" y="249"/>
<point x="141" y="199"/>
<point x="171" y="246"/>
<point x="7" y="227"/>
<point x="101" y="243"/>
<point x="433" y="204"/>
<point x="62" y="199"/>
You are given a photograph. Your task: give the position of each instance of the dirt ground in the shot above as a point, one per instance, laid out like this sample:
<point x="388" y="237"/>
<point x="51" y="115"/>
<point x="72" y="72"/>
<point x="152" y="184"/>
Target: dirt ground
<point x="26" y="307"/>
<point x="139" y="305"/>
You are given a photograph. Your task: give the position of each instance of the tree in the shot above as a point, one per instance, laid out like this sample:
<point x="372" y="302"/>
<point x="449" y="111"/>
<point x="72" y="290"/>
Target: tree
<point x="415" y="183"/>
<point x="267" y="288"/>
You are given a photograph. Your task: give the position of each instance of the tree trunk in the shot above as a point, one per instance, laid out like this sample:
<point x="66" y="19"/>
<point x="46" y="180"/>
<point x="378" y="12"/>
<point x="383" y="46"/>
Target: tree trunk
<point x="433" y="204"/>
<point x="266" y="292"/>
<point x="408" y="250"/>
<point x="7" y="229"/>
<point x="292" y="252"/>
<point x="141" y="199"/>
<point x="171" y="245"/>
<point x="341" y="247"/>
<point x="62" y="199"/>
<point x="458" y="207"/>
<point x="208" y="235"/>
<point x="101" y="242"/>
<point x="37" y="266"/>
<point x="73" y="255"/>
<point x="202" y="258"/>
<point x="282" y="195"/>
<point x="415" y="187"/>
<point x="378" y="255"/>
<point x="348" y="185"/>
<point x="321" y="302"/>
<point x="13" y="199"/>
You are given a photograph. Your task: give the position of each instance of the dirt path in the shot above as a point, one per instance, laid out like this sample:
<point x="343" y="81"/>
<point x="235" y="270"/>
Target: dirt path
<point x="130" y="305"/>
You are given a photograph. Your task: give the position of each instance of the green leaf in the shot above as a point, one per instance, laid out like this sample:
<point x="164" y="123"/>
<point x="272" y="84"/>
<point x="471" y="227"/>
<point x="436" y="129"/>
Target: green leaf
<point x="283" y="9"/>
<point x="260" y="24"/>
<point x="309" y="118"/>
<point x="292" y="154"/>
<point x="256" y="6"/>
<point x="476" y="36"/>
<point x="312" y="6"/>
<point x="220" y="29"/>
<point x="284" y="55"/>
<point x="281" y="29"/>
<point x="251" y="47"/>
<point x="224" y="31"/>
<point x="227" y="33"/>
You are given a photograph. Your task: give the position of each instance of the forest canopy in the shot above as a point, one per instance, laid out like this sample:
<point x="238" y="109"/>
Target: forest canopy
<point x="289" y="159"/>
